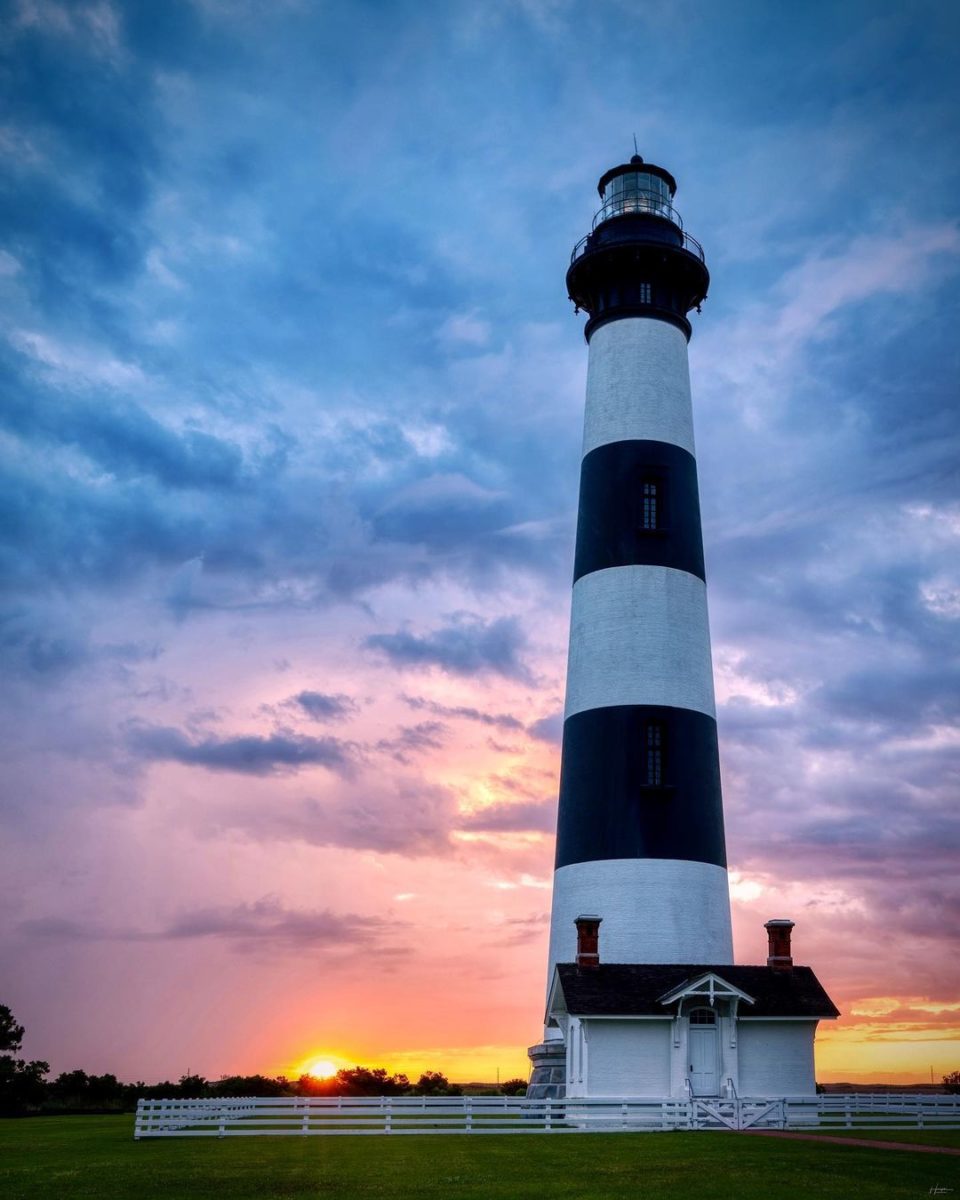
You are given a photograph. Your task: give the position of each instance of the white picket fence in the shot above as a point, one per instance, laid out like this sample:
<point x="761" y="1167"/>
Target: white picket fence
<point x="326" y="1115"/>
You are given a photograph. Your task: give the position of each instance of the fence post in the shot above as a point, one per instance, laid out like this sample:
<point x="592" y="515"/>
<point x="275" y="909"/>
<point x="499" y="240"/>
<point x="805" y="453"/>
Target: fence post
<point x="546" y="1119"/>
<point x="305" y="1123"/>
<point x="222" y="1127"/>
<point x="468" y="1109"/>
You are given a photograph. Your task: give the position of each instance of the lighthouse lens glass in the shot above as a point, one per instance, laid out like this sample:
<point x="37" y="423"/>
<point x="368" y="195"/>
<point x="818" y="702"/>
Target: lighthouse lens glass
<point x="637" y="192"/>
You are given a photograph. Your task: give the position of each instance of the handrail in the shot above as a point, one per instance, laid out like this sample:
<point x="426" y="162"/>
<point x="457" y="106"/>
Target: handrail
<point x="690" y="244"/>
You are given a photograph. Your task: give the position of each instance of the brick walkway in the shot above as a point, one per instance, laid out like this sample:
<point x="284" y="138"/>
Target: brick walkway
<point x="849" y="1141"/>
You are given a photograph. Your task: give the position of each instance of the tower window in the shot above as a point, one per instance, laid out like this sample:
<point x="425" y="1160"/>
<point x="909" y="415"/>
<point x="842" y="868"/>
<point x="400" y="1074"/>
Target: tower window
<point x="651" y="505"/>
<point x="653" y="754"/>
<point x="646" y="296"/>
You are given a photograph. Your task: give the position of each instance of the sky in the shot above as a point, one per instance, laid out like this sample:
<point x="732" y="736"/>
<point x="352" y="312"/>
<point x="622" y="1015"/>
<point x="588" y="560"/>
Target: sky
<point x="290" y="421"/>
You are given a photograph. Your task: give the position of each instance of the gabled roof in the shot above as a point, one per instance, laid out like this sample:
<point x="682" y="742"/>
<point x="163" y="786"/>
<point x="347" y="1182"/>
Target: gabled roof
<point x="644" y="989"/>
<point x="707" y="984"/>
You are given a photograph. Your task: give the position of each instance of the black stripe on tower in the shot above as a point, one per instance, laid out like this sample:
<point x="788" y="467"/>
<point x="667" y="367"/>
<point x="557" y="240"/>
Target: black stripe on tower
<point x="639" y="504"/>
<point x="640" y="781"/>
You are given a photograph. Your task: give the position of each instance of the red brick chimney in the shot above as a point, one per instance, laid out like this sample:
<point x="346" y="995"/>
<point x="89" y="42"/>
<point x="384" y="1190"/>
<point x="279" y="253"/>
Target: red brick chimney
<point x="588" y="942"/>
<point x="778" y="947"/>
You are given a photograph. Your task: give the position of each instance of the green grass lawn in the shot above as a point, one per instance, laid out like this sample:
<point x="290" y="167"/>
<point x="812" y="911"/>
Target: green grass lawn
<point x="61" y="1158"/>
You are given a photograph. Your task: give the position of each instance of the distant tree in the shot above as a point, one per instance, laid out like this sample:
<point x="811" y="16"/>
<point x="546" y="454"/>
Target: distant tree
<point x="22" y="1084"/>
<point x="250" y="1085"/>
<point x="11" y="1034"/>
<point x="309" y="1085"/>
<point x="357" y="1081"/>
<point x="192" y="1087"/>
<point x="951" y="1083"/>
<point x="514" y="1087"/>
<point x="435" y="1083"/>
<point x="78" y="1091"/>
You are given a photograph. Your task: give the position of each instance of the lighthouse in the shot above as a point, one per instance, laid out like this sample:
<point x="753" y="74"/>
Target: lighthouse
<point x="640" y="828"/>
<point x="640" y="923"/>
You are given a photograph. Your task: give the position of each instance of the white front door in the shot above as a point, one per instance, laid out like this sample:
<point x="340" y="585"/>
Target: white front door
<point x="704" y="1052"/>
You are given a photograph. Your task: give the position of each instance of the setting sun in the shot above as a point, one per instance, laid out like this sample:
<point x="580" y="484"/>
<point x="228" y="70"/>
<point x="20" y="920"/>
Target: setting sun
<point x="322" y="1068"/>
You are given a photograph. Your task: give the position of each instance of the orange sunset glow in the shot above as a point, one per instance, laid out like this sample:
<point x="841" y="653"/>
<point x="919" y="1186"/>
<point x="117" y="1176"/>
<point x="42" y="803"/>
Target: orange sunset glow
<point x="321" y="1068"/>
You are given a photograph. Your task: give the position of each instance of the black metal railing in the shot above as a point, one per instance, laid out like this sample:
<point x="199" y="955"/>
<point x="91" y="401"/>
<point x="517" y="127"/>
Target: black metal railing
<point x="639" y="203"/>
<point x="690" y="244"/>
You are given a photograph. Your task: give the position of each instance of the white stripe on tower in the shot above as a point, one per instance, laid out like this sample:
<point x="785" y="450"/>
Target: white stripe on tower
<point x="655" y="910"/>
<point x="638" y="385"/>
<point x="639" y="635"/>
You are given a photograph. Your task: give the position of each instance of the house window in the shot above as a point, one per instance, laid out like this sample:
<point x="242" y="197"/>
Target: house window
<point x="646" y="296"/>
<point x="650" y="517"/>
<point x="653" y="753"/>
<point x="703" y="1016"/>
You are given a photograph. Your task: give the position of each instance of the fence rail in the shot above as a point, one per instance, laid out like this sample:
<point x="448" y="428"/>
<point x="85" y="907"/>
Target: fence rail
<point x="357" y="1115"/>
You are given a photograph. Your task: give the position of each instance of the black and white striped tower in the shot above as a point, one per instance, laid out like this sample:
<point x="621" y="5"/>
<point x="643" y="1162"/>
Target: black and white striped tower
<point x="640" y="830"/>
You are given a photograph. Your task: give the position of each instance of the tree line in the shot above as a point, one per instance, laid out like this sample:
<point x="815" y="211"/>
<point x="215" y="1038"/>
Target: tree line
<point x="25" y="1087"/>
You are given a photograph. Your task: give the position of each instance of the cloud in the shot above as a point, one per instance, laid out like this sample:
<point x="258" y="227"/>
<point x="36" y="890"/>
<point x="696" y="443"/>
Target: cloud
<point x="443" y="512"/>
<point x="466" y="712"/>
<point x="127" y="442"/>
<point x="265" y="923"/>
<point x="42" y="644"/>
<point x="324" y="706"/>
<point x="469" y="645"/>
<point x="276" y="754"/>
<point x="532" y="816"/>
<point x="414" y="739"/>
<point x="388" y="815"/>
<point x="549" y="728"/>
<point x="464" y="329"/>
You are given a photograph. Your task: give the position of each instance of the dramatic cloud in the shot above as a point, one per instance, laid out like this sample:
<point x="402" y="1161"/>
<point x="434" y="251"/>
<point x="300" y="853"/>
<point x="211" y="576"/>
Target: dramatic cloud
<point x="267" y="922"/>
<point x="533" y="816"/>
<point x="400" y="816"/>
<point x="248" y="755"/>
<point x="264" y="923"/>
<point x="467" y="646"/>
<point x="465" y="712"/>
<point x="322" y="707"/>
<point x="290" y="376"/>
<point x="414" y="739"/>
<point x="548" y="729"/>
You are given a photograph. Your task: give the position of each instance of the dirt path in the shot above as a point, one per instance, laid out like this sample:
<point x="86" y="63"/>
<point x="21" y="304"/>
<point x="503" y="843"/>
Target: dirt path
<point x="850" y="1141"/>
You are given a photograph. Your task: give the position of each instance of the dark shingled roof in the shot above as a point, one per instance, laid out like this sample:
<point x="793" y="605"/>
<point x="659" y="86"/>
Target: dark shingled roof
<point x="635" y="989"/>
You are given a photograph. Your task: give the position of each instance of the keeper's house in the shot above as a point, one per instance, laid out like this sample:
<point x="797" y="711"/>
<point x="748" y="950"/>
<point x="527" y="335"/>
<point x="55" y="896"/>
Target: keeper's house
<point x="681" y="1030"/>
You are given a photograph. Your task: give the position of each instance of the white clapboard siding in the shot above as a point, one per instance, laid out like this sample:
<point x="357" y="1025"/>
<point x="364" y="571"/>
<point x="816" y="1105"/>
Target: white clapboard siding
<point x="338" y="1115"/>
